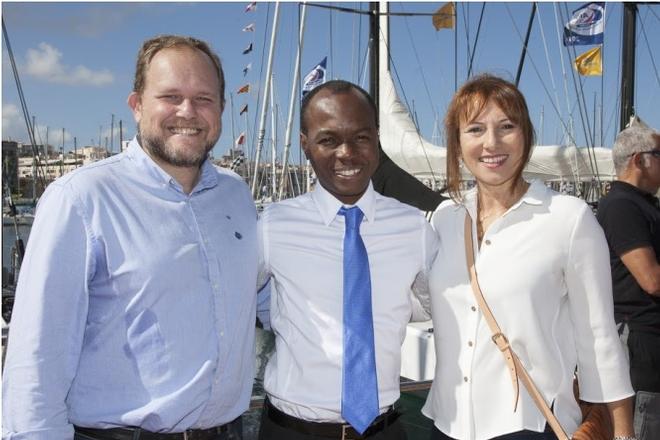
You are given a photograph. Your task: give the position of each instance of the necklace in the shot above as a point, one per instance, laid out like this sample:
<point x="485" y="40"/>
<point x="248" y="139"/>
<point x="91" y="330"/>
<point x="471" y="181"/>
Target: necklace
<point x="482" y="218"/>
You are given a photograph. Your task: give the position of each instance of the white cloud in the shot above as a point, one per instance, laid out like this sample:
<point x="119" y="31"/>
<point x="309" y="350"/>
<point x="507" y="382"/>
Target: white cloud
<point x="45" y="63"/>
<point x="54" y="136"/>
<point x="11" y="119"/>
<point x="13" y="127"/>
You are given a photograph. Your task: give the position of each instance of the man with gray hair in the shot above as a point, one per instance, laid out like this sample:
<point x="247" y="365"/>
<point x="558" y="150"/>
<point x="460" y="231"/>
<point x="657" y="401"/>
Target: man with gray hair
<point x="630" y="216"/>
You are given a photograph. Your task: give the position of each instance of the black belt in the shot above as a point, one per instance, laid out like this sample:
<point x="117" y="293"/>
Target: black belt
<point x="141" y="434"/>
<point x="341" y="431"/>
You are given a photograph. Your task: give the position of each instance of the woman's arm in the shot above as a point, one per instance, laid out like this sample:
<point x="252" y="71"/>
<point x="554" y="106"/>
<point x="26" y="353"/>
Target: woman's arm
<point x="622" y="417"/>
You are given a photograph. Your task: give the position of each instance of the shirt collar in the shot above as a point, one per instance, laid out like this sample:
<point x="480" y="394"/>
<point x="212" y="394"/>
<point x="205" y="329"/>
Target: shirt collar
<point x="625" y="186"/>
<point x="328" y="205"/>
<point x="208" y="176"/>
<point x="534" y="195"/>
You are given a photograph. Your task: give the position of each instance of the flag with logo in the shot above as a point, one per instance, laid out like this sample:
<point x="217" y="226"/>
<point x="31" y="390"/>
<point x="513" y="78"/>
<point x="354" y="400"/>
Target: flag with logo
<point x="249" y="28"/>
<point x="251" y="7"/>
<point x="248" y="49"/>
<point x="315" y="77"/>
<point x="243" y="109"/>
<point x="443" y="18"/>
<point x="586" y="26"/>
<point x="590" y="63"/>
<point x="244" y="89"/>
<point x="240" y="140"/>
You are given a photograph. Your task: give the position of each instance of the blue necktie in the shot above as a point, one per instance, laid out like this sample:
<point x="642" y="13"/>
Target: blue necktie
<point x="359" y="397"/>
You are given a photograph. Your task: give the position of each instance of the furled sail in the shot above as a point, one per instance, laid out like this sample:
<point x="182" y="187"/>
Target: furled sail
<point x="554" y="162"/>
<point x="399" y="136"/>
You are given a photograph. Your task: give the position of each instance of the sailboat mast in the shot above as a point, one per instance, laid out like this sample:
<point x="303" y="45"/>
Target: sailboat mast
<point x="292" y="103"/>
<point x="112" y="133"/>
<point x="628" y="63"/>
<point x="46" y="156"/>
<point x="374" y="54"/>
<point x="264" y="105"/>
<point x="273" y="135"/>
<point x="233" y="131"/>
<point x="524" y="49"/>
<point x="62" y="155"/>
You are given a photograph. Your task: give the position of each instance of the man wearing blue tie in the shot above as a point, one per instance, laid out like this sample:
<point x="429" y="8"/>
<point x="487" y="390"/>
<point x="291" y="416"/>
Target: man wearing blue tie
<point x="348" y="270"/>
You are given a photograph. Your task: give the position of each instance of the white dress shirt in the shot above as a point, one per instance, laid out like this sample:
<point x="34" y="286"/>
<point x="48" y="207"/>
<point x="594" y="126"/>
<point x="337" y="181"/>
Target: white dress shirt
<point x="544" y="270"/>
<point x="302" y="250"/>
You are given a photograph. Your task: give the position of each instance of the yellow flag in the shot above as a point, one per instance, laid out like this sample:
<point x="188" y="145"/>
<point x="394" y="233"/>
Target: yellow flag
<point x="444" y="17"/>
<point x="590" y="63"/>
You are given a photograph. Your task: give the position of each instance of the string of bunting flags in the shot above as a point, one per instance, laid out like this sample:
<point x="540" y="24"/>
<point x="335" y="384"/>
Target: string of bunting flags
<point x="245" y="89"/>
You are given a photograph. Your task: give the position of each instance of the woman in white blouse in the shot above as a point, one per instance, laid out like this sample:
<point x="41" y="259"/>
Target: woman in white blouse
<point x="543" y="267"/>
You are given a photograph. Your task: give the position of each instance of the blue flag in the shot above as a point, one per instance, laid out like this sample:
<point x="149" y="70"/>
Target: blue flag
<point x="586" y="26"/>
<point x="314" y="78"/>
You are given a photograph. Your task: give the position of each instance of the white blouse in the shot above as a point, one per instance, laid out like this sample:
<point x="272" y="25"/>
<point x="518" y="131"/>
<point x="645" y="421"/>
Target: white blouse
<point x="544" y="270"/>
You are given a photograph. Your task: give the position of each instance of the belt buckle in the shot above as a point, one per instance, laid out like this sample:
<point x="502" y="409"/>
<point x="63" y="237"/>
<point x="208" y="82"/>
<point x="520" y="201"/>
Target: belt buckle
<point x="344" y="431"/>
<point x="501" y="341"/>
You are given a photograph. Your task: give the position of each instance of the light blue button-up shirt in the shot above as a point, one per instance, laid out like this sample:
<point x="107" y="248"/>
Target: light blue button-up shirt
<point x="135" y="304"/>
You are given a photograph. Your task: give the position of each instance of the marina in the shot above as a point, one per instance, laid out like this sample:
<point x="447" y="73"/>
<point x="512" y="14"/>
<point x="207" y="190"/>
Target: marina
<point x="572" y="157"/>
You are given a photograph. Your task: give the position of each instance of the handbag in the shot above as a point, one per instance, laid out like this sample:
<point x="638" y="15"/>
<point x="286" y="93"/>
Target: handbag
<point x="596" y="422"/>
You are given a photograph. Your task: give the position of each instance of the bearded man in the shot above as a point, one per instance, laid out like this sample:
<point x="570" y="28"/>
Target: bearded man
<point x="135" y="309"/>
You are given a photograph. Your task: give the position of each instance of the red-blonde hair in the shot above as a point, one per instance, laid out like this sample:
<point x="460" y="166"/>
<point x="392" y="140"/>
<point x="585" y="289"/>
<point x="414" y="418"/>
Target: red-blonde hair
<point x="468" y="102"/>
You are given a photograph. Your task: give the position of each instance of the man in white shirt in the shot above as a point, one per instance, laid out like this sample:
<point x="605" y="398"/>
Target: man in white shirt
<point x="304" y="251"/>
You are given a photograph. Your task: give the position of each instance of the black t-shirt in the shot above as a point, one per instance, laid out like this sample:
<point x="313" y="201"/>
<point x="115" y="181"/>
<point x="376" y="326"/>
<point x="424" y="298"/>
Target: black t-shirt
<point x="631" y="220"/>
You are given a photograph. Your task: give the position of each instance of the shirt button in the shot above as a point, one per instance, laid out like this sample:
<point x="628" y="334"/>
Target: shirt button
<point x="465" y="379"/>
<point x="473" y="308"/>
<point x="215" y="286"/>
<point x="487" y="241"/>
<point x="470" y="344"/>
<point x="222" y="333"/>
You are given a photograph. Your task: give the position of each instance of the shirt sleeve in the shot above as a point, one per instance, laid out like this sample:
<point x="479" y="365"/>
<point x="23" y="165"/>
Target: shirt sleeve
<point x="263" y="277"/>
<point x="421" y="305"/>
<point x="602" y="368"/>
<point x="263" y="306"/>
<point x="626" y="227"/>
<point x="48" y="322"/>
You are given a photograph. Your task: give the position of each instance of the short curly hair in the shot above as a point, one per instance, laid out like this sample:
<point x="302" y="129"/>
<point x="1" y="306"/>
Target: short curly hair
<point x="335" y="86"/>
<point x="632" y="140"/>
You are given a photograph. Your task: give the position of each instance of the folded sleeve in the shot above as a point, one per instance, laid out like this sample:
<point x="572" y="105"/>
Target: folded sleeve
<point x="421" y="305"/>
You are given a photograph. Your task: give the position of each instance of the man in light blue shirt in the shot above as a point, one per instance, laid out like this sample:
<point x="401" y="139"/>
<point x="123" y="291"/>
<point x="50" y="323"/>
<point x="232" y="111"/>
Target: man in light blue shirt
<point x="135" y="308"/>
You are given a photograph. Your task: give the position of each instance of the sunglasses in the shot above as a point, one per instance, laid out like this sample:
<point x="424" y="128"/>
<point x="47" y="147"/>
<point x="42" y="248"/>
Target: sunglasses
<point x="654" y="153"/>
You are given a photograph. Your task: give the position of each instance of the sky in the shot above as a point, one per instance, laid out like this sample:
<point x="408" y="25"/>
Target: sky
<point x="76" y="62"/>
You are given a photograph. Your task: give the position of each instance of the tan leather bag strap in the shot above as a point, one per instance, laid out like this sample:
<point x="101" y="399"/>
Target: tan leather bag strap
<point x="515" y="367"/>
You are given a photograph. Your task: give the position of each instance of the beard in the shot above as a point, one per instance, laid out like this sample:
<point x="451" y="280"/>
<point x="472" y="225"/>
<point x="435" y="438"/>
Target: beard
<point x="158" y="148"/>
